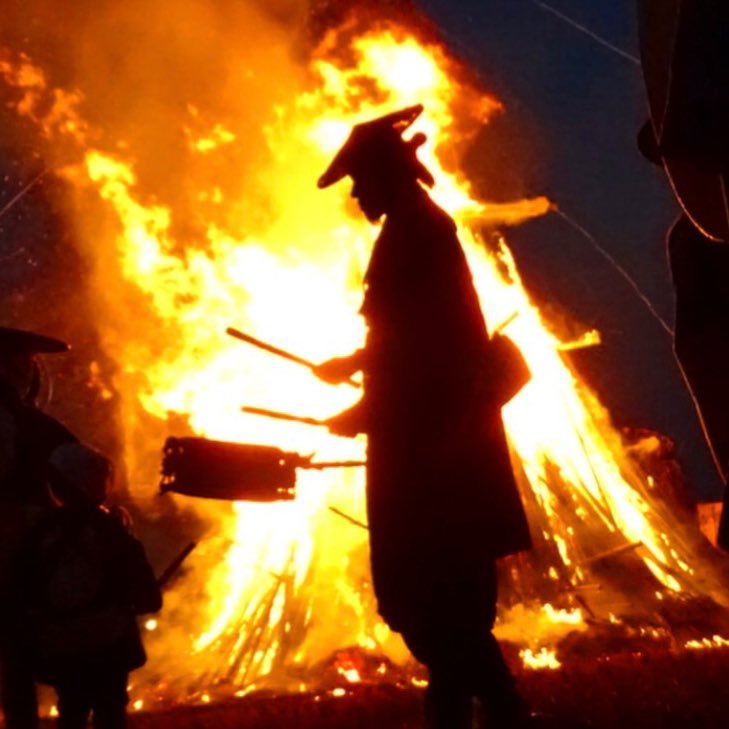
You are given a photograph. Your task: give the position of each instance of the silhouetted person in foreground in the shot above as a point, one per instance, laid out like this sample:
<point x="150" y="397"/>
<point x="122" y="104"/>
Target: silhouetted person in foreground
<point x="83" y="578"/>
<point x="700" y="272"/>
<point x="441" y="497"/>
<point x="27" y="438"/>
<point x="685" y="59"/>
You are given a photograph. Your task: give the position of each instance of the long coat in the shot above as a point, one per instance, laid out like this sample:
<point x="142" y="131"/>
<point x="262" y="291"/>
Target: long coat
<point x="440" y="488"/>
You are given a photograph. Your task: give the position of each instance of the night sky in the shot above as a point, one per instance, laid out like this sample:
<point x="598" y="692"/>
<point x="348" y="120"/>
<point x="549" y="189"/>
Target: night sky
<point x="573" y="111"/>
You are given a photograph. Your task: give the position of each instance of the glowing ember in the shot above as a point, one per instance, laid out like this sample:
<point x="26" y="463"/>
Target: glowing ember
<point x="542" y="659"/>
<point x="351" y="674"/>
<point x="716" y="641"/>
<point x="571" y="617"/>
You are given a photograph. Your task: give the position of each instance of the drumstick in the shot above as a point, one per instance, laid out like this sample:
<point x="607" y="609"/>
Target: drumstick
<point x="319" y="465"/>
<point x="283" y="416"/>
<point x="237" y="334"/>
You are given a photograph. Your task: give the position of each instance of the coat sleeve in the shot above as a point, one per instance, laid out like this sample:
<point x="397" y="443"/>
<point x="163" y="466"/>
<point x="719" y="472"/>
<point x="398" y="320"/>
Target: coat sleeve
<point x="144" y="591"/>
<point x="137" y="581"/>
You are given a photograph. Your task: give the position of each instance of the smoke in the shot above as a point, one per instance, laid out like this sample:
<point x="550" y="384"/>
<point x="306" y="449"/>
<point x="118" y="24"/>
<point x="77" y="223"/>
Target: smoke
<point x="141" y="79"/>
<point x="143" y="67"/>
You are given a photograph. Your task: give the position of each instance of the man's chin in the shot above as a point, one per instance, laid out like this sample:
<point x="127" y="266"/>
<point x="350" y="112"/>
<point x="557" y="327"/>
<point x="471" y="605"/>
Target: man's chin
<point x="372" y="216"/>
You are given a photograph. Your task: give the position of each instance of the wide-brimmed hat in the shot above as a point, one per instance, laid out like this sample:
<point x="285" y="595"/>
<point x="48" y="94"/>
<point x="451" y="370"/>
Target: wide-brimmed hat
<point x="376" y="140"/>
<point x="22" y="340"/>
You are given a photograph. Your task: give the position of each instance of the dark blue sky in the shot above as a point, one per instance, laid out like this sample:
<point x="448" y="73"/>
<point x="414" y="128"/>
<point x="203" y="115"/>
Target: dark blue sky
<point x="573" y="111"/>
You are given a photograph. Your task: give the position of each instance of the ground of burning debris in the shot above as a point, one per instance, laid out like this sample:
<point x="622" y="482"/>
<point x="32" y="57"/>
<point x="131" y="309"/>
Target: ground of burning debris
<point x="654" y="689"/>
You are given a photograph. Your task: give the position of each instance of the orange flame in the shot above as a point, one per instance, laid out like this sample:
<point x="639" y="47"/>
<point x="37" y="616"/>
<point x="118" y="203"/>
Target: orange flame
<point x="276" y="588"/>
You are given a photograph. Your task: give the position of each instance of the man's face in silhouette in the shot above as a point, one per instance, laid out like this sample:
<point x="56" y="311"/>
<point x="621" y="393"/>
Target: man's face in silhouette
<point x="370" y="195"/>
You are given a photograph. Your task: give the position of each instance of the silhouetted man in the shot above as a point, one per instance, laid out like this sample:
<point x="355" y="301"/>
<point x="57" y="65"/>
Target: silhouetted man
<point x="700" y="272"/>
<point x="685" y="59"/>
<point x="27" y="438"/>
<point x="441" y="498"/>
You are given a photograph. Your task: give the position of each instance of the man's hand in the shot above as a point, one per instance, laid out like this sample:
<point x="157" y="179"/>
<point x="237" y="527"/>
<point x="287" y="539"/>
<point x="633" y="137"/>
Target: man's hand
<point x="349" y="423"/>
<point x="338" y="370"/>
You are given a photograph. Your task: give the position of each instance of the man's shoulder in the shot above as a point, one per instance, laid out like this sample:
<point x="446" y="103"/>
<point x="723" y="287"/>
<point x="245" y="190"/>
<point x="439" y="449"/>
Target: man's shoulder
<point x="426" y="216"/>
<point x="100" y="520"/>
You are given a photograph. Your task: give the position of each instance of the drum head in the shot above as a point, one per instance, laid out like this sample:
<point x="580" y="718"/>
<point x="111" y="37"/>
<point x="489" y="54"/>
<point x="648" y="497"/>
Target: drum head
<point x="213" y="469"/>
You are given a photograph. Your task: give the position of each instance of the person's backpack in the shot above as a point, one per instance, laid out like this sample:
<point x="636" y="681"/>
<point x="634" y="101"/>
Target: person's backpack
<point x="68" y="557"/>
<point x="508" y="371"/>
<point x="68" y="599"/>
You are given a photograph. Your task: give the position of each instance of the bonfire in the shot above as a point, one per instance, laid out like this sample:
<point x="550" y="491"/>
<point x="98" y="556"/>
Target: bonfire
<point x="190" y="185"/>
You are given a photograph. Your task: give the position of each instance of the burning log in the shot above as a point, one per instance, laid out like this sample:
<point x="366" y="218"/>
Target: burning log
<point x="614" y="552"/>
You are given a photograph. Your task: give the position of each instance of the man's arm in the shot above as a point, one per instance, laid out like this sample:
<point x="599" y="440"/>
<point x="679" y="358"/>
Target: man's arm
<point x="133" y="572"/>
<point x="340" y="369"/>
<point x="350" y="422"/>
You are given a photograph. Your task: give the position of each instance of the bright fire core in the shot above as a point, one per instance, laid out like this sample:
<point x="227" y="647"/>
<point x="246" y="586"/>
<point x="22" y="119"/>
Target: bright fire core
<point x="274" y="589"/>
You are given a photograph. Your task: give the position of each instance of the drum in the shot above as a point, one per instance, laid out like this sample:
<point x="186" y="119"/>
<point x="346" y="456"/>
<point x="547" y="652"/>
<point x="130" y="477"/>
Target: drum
<point x="213" y="469"/>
